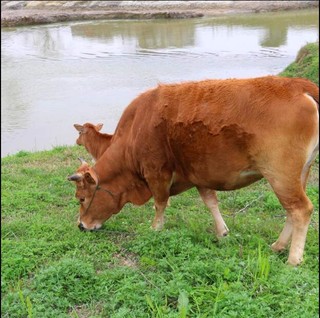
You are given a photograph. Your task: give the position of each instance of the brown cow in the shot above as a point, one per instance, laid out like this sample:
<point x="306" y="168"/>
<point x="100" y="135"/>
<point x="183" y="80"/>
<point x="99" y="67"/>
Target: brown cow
<point x="90" y="137"/>
<point x="212" y="134"/>
<point x="96" y="144"/>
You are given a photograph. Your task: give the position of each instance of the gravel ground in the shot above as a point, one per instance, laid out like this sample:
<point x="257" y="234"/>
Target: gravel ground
<point x="15" y="13"/>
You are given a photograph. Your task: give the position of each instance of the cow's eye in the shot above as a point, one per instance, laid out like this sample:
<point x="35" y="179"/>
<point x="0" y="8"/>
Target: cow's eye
<point x="81" y="200"/>
<point x="79" y="132"/>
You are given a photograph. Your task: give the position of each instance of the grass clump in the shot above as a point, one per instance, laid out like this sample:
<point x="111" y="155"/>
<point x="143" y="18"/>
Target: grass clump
<point x="306" y="64"/>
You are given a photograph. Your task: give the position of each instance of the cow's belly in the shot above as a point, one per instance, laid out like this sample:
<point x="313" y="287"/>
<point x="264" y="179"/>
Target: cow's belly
<point x="228" y="181"/>
<point x="224" y="160"/>
<point x="225" y="182"/>
<point x="235" y="180"/>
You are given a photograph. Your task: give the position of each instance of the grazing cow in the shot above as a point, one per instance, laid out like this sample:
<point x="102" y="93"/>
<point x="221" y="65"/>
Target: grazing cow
<point x="90" y="137"/>
<point x="212" y="134"/>
<point x="96" y="144"/>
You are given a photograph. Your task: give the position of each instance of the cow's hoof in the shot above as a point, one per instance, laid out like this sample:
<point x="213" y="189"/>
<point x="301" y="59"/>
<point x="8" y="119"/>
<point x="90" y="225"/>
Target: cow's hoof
<point x="156" y="227"/>
<point x="222" y="234"/>
<point x="294" y="261"/>
<point x="278" y="247"/>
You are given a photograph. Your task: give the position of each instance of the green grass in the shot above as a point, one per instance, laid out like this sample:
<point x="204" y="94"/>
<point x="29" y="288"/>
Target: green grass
<point x="51" y="269"/>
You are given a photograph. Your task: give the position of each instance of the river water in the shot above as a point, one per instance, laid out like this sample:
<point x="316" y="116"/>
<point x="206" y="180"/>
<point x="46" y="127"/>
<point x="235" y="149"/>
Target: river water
<point x="53" y="76"/>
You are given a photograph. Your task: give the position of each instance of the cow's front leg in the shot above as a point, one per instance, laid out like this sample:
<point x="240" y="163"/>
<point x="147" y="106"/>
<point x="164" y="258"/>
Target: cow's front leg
<point x="159" y="185"/>
<point x="158" y="220"/>
<point x="210" y="199"/>
<point x="168" y="203"/>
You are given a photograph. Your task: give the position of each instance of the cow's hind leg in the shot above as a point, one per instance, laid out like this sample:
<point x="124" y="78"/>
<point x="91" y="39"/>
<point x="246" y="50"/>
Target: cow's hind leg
<point x="299" y="209"/>
<point x="286" y="233"/>
<point x="210" y="199"/>
<point x="289" y="185"/>
<point x="285" y="236"/>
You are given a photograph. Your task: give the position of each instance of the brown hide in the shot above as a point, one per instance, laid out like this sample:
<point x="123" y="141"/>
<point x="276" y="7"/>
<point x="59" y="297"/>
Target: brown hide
<point x="207" y="132"/>
<point x="213" y="134"/>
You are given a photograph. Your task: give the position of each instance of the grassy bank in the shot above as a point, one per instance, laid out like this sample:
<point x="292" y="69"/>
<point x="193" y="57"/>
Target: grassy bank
<point x="306" y="64"/>
<point x="51" y="269"/>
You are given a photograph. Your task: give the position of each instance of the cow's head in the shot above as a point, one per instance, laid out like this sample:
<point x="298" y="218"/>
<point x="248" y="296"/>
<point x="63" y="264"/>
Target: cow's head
<point x="84" y="130"/>
<point x="97" y="202"/>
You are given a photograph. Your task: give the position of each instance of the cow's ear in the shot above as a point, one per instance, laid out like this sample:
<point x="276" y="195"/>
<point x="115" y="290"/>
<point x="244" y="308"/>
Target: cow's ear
<point x="78" y="127"/>
<point x="90" y="178"/>
<point x="99" y="127"/>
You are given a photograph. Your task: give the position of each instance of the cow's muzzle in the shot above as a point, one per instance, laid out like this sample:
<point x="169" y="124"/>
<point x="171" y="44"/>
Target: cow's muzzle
<point x="81" y="227"/>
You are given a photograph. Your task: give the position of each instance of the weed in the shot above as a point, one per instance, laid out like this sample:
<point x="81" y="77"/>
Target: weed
<point x="25" y="301"/>
<point x="183" y="302"/>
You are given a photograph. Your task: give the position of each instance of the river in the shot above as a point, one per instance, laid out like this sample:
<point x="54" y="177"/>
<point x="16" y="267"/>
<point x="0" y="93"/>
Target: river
<point x="55" y="75"/>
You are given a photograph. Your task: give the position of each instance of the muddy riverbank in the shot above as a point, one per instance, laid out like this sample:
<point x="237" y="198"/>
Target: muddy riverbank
<point x="17" y="13"/>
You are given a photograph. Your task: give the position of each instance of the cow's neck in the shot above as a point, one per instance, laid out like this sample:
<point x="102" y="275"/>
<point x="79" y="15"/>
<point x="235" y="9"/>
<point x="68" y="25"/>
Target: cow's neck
<point x="117" y="176"/>
<point x="93" y="150"/>
<point x="97" y="148"/>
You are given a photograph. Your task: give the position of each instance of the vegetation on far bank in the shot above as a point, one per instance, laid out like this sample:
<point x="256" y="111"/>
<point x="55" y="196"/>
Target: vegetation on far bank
<point x="51" y="269"/>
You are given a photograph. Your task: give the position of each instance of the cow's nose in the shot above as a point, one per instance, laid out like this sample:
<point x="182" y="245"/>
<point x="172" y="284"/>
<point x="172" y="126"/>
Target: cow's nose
<point x="81" y="227"/>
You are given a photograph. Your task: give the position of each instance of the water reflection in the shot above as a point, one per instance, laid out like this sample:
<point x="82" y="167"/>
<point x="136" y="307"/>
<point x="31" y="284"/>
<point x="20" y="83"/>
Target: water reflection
<point x="61" y="74"/>
<point x="148" y="34"/>
<point x="274" y="24"/>
<point x="181" y="33"/>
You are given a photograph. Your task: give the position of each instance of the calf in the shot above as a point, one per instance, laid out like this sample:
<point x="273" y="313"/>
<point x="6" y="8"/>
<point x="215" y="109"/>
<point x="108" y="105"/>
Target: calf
<point x="90" y="137"/>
